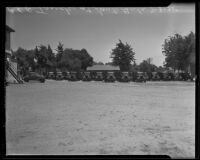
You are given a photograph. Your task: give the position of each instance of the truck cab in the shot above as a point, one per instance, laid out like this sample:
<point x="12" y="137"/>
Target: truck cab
<point x="141" y="77"/>
<point x="73" y="76"/>
<point x="59" y="76"/>
<point x="99" y="76"/>
<point x="86" y="76"/>
<point x="110" y="77"/>
<point x="125" y="77"/>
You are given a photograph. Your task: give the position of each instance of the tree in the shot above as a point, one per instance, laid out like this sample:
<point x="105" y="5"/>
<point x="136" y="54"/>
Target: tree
<point x="171" y="49"/>
<point x="75" y="59"/>
<point x="51" y="61"/>
<point x="30" y="59"/>
<point x="43" y="59"/>
<point x="146" y="66"/>
<point x="20" y="56"/>
<point x="66" y="61"/>
<point x="59" y="54"/>
<point x="122" y="55"/>
<point x="25" y="58"/>
<point x="86" y="59"/>
<point x="160" y="69"/>
<point x="190" y="42"/>
<point x="76" y="64"/>
<point x="134" y="67"/>
<point x="50" y="54"/>
<point x="179" y="51"/>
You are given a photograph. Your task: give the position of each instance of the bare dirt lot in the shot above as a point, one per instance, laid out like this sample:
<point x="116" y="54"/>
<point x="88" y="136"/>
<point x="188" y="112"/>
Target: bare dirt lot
<point x="70" y="118"/>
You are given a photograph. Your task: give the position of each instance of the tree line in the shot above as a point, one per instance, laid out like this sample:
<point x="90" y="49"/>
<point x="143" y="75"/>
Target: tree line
<point x="179" y="52"/>
<point x="42" y="59"/>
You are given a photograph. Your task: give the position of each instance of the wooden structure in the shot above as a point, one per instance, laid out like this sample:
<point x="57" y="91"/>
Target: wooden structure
<point x="12" y="75"/>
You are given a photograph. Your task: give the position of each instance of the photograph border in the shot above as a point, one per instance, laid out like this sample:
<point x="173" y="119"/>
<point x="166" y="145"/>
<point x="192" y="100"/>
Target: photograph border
<point x="91" y="3"/>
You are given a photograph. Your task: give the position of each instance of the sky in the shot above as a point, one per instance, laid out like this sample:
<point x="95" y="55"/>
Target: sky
<point x="99" y="29"/>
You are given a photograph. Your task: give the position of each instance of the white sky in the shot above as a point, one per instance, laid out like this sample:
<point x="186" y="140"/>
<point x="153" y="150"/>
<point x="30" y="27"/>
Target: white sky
<point x="99" y="30"/>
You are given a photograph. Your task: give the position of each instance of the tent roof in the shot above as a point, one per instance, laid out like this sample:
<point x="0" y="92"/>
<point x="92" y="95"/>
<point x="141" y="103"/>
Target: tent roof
<point x="103" y="68"/>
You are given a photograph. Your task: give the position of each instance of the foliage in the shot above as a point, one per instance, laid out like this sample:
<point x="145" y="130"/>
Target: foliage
<point x="85" y="58"/>
<point x="25" y="58"/>
<point x="122" y="55"/>
<point x="146" y="66"/>
<point x="179" y="52"/>
<point x="75" y="59"/>
<point x="42" y="59"/>
<point x="45" y="58"/>
<point x="59" y="54"/>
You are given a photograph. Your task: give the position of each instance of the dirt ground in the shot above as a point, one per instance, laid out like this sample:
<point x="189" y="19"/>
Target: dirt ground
<point x="93" y="118"/>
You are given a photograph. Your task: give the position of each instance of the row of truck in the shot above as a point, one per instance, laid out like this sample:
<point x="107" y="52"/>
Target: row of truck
<point x="119" y="76"/>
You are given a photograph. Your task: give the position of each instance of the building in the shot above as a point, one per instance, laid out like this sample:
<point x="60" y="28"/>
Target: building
<point x="8" y="41"/>
<point x="103" y="68"/>
<point x="11" y="64"/>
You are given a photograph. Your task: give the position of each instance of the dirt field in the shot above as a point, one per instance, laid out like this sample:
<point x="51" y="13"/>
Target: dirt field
<point x="70" y="118"/>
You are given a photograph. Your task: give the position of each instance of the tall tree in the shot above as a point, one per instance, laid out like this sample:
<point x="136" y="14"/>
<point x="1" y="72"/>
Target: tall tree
<point x="50" y="58"/>
<point x="190" y="42"/>
<point x="122" y="55"/>
<point x="42" y="59"/>
<point x="59" y="54"/>
<point x="50" y="53"/>
<point x="179" y="51"/>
